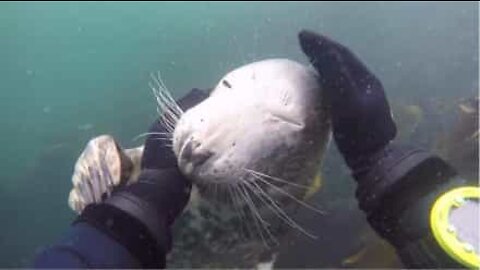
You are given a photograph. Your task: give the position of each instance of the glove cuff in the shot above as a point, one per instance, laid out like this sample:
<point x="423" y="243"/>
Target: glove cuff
<point x="394" y="169"/>
<point x="136" y="236"/>
<point x="139" y="216"/>
<point x="394" y="179"/>
<point x="165" y="192"/>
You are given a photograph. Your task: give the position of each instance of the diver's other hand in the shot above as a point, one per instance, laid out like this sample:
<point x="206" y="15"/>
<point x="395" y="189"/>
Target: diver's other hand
<point x="361" y="117"/>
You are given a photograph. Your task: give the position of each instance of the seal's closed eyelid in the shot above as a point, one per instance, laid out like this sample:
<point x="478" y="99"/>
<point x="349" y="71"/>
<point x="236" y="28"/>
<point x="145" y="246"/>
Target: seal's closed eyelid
<point x="227" y="84"/>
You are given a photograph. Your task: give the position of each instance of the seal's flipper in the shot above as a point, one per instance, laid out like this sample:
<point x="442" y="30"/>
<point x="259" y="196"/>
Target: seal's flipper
<point x="102" y="166"/>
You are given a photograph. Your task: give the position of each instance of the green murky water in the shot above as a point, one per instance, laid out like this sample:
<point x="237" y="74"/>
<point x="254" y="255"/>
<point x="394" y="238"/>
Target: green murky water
<point x="70" y="71"/>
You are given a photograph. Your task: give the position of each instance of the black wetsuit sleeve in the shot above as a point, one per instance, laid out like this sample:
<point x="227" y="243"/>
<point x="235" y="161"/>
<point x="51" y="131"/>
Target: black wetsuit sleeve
<point x="396" y="189"/>
<point x="84" y="246"/>
<point x="131" y="229"/>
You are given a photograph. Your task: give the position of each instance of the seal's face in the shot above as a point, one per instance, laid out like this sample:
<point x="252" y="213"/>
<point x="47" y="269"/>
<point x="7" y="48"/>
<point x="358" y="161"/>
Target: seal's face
<point x="265" y="118"/>
<point x="258" y="136"/>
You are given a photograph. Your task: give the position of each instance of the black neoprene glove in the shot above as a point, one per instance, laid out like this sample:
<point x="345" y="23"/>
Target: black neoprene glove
<point x="396" y="184"/>
<point x="361" y="118"/>
<point x="161" y="182"/>
<point x="139" y="216"/>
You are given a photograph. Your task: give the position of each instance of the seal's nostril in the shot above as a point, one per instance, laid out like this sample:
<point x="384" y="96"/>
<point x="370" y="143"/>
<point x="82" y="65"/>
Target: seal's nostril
<point x="195" y="144"/>
<point x="199" y="158"/>
<point x="187" y="151"/>
<point x="191" y="151"/>
<point x="226" y="84"/>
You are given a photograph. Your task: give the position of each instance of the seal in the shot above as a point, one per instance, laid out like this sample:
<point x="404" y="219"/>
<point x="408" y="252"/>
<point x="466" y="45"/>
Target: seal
<point x="264" y="127"/>
<point x="252" y="149"/>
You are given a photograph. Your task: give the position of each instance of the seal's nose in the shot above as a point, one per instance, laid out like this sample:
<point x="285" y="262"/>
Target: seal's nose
<point x="194" y="153"/>
<point x="200" y="134"/>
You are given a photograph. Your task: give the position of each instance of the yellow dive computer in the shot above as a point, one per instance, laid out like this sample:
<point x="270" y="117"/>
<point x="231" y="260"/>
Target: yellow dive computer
<point x="454" y="221"/>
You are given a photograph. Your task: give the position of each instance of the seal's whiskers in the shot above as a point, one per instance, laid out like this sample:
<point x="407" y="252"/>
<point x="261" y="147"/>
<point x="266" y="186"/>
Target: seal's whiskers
<point x="239" y="207"/>
<point x="243" y="198"/>
<point x="276" y="209"/>
<point x="276" y="179"/>
<point x="257" y="217"/>
<point x="243" y="212"/>
<point x="239" y="212"/>
<point x="165" y="95"/>
<point x="251" y="185"/>
<point x="167" y="107"/>
<point x="166" y="134"/>
<point x="163" y="139"/>
<point x="258" y="176"/>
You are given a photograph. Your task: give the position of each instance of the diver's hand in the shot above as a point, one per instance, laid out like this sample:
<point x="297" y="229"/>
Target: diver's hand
<point x="160" y="182"/>
<point x="361" y="118"/>
<point x="397" y="184"/>
<point x="158" y="153"/>
<point x="140" y="215"/>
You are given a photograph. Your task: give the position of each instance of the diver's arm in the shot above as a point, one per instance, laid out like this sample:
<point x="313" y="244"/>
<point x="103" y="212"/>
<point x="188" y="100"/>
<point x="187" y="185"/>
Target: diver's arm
<point x="398" y="189"/>
<point x="84" y="246"/>
<point x="405" y="192"/>
<point x="131" y="228"/>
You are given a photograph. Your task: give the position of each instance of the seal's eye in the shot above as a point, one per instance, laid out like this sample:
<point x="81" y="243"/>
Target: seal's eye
<point x="225" y="83"/>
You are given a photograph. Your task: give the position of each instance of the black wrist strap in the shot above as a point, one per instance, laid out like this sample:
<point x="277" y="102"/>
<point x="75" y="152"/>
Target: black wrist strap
<point x="425" y="253"/>
<point x="395" y="179"/>
<point x="394" y="169"/>
<point x="126" y="230"/>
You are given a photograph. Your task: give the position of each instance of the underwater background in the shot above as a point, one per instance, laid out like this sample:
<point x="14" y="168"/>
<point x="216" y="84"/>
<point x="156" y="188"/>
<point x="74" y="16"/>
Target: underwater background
<point x="70" y="71"/>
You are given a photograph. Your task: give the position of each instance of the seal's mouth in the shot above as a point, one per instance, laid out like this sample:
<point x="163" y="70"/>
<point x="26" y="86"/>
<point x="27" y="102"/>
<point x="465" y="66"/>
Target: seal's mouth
<point x="191" y="156"/>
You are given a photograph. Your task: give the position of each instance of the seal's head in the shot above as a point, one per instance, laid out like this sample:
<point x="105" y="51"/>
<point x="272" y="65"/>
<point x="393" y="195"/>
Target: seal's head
<point x="258" y="136"/>
<point x="264" y="122"/>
